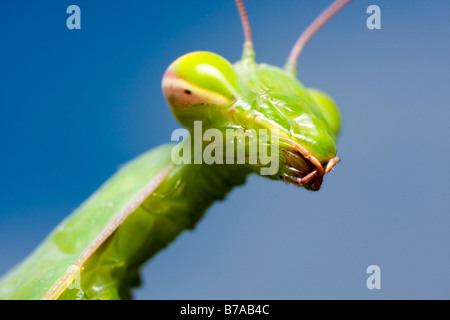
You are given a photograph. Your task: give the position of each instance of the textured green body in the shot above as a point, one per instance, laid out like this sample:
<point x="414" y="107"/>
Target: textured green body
<point x="248" y="95"/>
<point x="256" y="97"/>
<point x="44" y="267"/>
<point x="177" y="204"/>
<point x="275" y="98"/>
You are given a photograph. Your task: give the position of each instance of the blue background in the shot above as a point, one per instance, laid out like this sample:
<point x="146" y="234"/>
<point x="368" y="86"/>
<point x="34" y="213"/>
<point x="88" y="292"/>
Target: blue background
<point x="77" y="104"/>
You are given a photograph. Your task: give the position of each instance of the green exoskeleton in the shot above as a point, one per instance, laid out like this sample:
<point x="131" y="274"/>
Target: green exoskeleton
<point x="97" y="252"/>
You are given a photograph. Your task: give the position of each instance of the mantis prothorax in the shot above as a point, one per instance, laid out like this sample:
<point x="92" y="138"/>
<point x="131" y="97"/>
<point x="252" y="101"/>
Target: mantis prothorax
<point x="96" y="253"/>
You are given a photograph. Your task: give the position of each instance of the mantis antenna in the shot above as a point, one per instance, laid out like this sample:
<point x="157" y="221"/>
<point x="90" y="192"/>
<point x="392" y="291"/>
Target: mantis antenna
<point x="323" y="18"/>
<point x="248" y="44"/>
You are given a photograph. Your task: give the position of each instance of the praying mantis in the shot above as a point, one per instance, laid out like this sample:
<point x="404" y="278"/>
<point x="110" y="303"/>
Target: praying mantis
<point x="97" y="252"/>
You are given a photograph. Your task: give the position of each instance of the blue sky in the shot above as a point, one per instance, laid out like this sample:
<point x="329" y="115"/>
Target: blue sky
<point x="77" y="104"/>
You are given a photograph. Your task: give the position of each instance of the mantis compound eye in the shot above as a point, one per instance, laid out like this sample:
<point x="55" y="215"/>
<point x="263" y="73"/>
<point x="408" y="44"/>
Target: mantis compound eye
<point x="197" y="83"/>
<point x="328" y="109"/>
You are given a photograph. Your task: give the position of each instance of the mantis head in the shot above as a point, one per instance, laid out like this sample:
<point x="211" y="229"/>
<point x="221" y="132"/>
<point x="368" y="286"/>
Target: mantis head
<point x="303" y="123"/>
<point x="199" y="86"/>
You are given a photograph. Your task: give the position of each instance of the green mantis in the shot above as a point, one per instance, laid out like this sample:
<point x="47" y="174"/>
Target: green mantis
<point x="96" y="253"/>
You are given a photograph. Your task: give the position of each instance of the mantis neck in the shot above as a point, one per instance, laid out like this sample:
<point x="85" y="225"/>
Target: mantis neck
<point x="177" y="204"/>
<point x="191" y="188"/>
